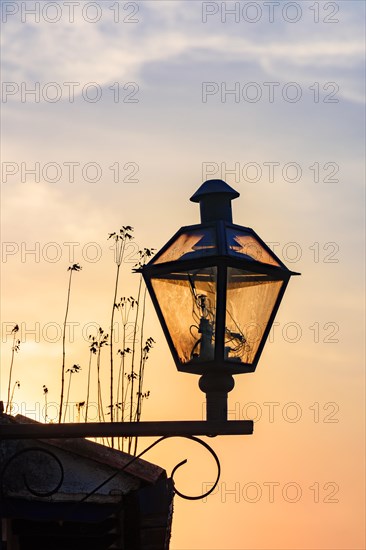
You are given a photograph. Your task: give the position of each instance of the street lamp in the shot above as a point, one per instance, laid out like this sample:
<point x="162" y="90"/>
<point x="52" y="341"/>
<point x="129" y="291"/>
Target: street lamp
<point x="216" y="287"/>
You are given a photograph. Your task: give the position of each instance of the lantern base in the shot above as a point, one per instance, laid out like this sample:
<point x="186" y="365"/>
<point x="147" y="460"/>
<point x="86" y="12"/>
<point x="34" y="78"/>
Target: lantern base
<point x="216" y="386"/>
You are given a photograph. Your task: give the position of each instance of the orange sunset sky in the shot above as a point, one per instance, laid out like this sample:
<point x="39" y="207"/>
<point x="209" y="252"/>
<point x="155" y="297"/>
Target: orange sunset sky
<point x="134" y="105"/>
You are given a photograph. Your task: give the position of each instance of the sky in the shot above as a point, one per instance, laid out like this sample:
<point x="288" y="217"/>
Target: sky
<point x="113" y="114"/>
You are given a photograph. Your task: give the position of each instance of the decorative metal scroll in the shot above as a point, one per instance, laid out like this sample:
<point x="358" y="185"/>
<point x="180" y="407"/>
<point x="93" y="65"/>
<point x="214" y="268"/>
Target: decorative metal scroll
<point x="33" y="491"/>
<point x="56" y="463"/>
<point x="179" y="493"/>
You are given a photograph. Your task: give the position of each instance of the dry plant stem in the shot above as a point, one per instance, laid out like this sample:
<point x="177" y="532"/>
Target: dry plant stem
<point x="126" y="391"/>
<point x="79" y="406"/>
<point x="141" y="368"/>
<point x="111" y="348"/>
<point x="123" y="393"/>
<point x="73" y="370"/>
<point x="45" y="407"/>
<point x="121" y="370"/>
<point x="64" y="348"/>
<point x="100" y="401"/>
<point x="142" y="362"/>
<point x="118" y="386"/>
<point x="16" y="384"/>
<point x="88" y="387"/>
<point x="133" y="357"/>
<point x="119" y="258"/>
<point x="117" y="404"/>
<point x="120" y="248"/>
<point x="67" y="396"/>
<point x="13" y="349"/>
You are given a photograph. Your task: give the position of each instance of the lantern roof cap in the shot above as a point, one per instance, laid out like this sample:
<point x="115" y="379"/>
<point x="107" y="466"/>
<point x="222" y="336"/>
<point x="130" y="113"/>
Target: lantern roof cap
<point x="213" y="187"/>
<point x="215" y="198"/>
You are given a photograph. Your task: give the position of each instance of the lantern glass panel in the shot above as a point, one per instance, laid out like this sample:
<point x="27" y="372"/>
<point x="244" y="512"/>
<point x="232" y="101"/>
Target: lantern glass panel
<point x="250" y="300"/>
<point x="188" y="303"/>
<point x="245" y="245"/>
<point x="189" y="245"/>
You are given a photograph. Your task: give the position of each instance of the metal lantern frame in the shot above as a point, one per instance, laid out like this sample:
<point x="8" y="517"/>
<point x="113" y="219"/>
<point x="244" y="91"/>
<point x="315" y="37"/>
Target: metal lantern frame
<point x="222" y="259"/>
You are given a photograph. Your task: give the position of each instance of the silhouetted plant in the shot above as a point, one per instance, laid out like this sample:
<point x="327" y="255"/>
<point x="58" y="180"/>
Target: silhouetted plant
<point x="120" y="384"/>
<point x="71" y="268"/>
<point x="126" y="307"/>
<point x="128" y="395"/>
<point x="140" y="394"/>
<point x="120" y="239"/>
<point x="99" y="342"/>
<point x="145" y="254"/>
<point x="95" y="349"/>
<point x="79" y="406"/>
<point x="134" y="375"/>
<point x="16" y="385"/>
<point x="74" y="370"/>
<point x="132" y="315"/>
<point x="144" y="357"/>
<point x="14" y="349"/>
<point x="45" y="393"/>
<point x="92" y="351"/>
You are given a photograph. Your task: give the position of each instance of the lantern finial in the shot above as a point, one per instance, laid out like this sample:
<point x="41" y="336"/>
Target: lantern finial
<point x="215" y="198"/>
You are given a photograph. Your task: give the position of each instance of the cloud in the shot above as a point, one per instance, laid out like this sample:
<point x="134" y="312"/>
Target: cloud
<point x="105" y="52"/>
